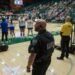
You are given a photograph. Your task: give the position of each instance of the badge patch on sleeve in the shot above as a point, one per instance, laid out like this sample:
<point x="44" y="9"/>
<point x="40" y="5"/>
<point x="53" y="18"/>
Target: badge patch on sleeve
<point x="34" y="42"/>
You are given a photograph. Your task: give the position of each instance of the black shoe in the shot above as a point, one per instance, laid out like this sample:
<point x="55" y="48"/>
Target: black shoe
<point x="60" y="58"/>
<point x="67" y="57"/>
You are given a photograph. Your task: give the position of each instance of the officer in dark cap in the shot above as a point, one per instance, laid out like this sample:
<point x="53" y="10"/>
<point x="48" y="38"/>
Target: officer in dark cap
<point x="40" y="49"/>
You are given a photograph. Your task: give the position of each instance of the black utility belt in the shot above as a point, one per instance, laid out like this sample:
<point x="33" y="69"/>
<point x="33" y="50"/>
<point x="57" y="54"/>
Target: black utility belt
<point x="65" y="36"/>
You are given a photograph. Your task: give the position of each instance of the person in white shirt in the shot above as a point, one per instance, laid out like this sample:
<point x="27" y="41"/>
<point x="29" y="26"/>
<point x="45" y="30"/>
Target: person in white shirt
<point x="22" y="27"/>
<point x="11" y="28"/>
<point x="30" y="26"/>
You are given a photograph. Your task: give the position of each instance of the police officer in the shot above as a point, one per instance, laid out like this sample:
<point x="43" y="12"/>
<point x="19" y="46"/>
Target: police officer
<point x="65" y="38"/>
<point x="40" y="49"/>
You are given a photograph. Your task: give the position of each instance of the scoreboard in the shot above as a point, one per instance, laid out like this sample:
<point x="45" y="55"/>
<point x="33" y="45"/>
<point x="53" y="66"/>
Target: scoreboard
<point x="18" y="2"/>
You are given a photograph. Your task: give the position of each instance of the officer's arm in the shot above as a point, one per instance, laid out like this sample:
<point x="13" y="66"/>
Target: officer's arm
<point x="31" y="59"/>
<point x="33" y="51"/>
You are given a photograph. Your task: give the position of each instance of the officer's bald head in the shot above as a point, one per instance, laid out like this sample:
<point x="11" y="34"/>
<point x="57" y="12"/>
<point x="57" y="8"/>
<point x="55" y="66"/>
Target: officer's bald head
<point x="40" y="25"/>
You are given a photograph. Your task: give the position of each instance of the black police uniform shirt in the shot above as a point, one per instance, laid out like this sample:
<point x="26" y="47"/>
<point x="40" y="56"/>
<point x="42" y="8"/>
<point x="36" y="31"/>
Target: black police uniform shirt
<point x="42" y="45"/>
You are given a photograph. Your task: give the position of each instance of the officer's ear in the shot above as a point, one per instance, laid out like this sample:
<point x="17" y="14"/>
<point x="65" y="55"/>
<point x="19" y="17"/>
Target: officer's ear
<point x="40" y="26"/>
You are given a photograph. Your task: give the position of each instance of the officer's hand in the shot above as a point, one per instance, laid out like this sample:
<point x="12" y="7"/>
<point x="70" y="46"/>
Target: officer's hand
<point x="28" y="69"/>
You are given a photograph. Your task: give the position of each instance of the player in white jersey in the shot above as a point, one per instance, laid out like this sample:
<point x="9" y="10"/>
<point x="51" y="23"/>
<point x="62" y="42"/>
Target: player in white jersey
<point x="30" y="26"/>
<point x="12" y="28"/>
<point x="22" y="26"/>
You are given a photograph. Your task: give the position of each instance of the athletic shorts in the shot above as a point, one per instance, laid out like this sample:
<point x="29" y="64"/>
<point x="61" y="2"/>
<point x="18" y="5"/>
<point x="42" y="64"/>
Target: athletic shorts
<point x="30" y="28"/>
<point x="21" y="27"/>
<point x="11" y="28"/>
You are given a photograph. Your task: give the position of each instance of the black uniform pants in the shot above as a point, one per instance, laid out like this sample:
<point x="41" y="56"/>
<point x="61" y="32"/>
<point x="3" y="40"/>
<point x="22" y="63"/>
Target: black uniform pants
<point x="4" y="34"/>
<point x="65" y="46"/>
<point x="40" y="68"/>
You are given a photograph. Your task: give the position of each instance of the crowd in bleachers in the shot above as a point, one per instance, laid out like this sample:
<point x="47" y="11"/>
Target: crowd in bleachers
<point x="54" y="12"/>
<point x="51" y="11"/>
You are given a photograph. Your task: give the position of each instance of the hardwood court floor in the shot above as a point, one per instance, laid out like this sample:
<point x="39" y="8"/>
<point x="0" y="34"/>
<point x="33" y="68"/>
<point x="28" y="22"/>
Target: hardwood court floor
<point x="14" y="61"/>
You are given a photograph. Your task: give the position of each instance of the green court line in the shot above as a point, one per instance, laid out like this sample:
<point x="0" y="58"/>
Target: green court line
<point x="55" y="33"/>
<point x="17" y="40"/>
<point x="25" y="39"/>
